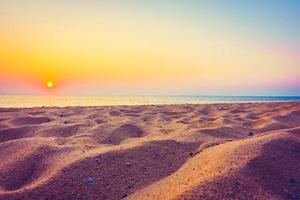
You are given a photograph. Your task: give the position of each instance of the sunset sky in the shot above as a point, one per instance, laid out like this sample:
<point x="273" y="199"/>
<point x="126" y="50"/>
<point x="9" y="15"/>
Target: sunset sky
<point x="154" y="47"/>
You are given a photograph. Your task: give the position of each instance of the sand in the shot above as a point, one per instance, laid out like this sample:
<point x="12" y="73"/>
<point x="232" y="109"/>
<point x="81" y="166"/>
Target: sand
<point x="216" y="151"/>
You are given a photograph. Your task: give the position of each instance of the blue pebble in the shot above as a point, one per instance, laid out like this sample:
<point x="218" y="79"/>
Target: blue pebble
<point x="90" y="181"/>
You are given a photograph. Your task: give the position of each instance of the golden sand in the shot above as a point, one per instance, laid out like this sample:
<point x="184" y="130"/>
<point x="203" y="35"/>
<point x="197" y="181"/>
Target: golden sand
<point x="216" y="151"/>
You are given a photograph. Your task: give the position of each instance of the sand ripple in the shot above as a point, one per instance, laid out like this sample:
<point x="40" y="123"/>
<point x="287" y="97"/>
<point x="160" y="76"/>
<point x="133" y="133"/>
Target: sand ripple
<point x="219" y="151"/>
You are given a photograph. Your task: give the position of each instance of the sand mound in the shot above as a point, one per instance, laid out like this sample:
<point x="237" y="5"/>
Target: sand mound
<point x="65" y="130"/>
<point x="289" y="119"/>
<point x="26" y="162"/>
<point x="234" y="171"/>
<point x="205" y="110"/>
<point x="151" y="152"/>
<point x="277" y="167"/>
<point x="252" y="116"/>
<point x="272" y="174"/>
<point x="15" y="133"/>
<point x="122" y="133"/>
<point x="114" y="113"/>
<point x="29" y="120"/>
<point x="22" y="173"/>
<point x="220" y="132"/>
<point x="13" y="151"/>
<point x="270" y="126"/>
<point x="129" y="171"/>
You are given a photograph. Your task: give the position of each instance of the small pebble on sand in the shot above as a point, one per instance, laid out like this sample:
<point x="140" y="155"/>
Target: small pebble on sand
<point x="250" y="134"/>
<point x="90" y="181"/>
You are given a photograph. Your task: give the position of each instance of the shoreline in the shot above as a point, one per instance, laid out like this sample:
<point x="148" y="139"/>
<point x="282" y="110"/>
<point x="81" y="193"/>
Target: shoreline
<point x="135" y="105"/>
<point x="67" y="101"/>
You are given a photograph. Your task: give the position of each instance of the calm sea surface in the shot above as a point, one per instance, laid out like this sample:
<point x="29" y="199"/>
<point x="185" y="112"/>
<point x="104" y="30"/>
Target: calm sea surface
<point x="62" y="101"/>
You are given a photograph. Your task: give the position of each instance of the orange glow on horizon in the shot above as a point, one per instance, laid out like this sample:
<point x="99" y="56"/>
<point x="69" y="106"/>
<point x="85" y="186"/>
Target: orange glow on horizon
<point x="117" y="48"/>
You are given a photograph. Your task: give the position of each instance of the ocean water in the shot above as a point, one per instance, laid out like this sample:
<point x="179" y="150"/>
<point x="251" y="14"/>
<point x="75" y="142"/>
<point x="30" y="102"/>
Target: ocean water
<point x="64" y="101"/>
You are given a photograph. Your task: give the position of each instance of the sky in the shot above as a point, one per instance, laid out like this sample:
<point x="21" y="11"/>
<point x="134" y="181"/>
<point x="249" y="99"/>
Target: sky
<point x="153" y="47"/>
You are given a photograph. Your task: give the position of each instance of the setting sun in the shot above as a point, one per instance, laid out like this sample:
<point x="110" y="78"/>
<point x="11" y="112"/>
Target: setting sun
<point x="50" y="84"/>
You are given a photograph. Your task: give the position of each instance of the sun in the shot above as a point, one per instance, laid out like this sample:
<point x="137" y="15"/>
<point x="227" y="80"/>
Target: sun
<point x="50" y="84"/>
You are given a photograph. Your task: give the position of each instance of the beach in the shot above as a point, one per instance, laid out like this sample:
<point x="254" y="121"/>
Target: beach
<point x="184" y="151"/>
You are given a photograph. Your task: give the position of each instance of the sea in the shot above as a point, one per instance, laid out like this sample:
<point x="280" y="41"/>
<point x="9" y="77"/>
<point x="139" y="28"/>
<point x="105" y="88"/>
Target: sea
<point x="10" y="101"/>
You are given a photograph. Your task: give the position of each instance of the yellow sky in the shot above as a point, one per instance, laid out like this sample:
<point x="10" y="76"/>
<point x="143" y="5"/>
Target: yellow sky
<point x="116" y="45"/>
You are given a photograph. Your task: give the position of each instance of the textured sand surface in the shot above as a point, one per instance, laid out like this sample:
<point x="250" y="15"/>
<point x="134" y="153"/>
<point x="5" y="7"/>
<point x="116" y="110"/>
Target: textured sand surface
<point x="151" y="152"/>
